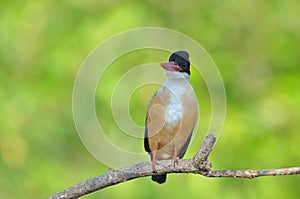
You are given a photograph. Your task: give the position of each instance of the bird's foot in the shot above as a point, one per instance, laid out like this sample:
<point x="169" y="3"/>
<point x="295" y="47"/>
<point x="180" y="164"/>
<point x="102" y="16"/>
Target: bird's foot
<point x="153" y="167"/>
<point x="175" y="161"/>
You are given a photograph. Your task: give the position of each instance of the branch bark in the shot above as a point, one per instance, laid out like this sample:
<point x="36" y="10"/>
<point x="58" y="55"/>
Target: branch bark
<point x="253" y="173"/>
<point x="199" y="164"/>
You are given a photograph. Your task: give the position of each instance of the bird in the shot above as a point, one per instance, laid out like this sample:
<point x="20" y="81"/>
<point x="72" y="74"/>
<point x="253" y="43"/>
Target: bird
<point x="172" y="114"/>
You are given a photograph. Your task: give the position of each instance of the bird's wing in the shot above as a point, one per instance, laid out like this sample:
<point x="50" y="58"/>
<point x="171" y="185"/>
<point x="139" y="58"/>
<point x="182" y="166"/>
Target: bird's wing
<point x="188" y="123"/>
<point x="155" y="117"/>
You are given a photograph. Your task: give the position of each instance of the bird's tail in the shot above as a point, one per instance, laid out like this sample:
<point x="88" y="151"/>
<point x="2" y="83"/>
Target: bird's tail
<point x="160" y="178"/>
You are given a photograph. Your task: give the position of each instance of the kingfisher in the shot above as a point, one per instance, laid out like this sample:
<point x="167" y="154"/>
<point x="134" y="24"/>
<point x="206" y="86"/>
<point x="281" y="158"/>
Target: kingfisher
<point x="172" y="114"/>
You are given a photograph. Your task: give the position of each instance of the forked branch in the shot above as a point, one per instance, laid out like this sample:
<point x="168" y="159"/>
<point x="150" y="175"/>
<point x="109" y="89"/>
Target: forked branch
<point x="199" y="164"/>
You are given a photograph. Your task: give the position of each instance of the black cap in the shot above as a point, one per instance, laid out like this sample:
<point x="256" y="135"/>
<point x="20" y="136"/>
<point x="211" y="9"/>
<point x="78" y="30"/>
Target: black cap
<point x="182" y="60"/>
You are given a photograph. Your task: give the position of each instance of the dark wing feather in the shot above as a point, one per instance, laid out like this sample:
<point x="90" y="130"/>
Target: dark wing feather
<point x="146" y="142"/>
<point x="185" y="146"/>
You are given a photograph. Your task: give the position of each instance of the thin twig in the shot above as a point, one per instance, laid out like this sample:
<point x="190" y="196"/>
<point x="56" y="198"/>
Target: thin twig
<point x="253" y="173"/>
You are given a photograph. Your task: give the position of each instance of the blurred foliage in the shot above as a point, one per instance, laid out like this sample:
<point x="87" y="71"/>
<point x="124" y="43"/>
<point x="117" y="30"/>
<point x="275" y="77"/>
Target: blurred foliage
<point x="254" y="43"/>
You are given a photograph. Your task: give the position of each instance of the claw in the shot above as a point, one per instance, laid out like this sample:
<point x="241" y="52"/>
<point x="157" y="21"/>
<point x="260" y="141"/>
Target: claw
<point x="175" y="157"/>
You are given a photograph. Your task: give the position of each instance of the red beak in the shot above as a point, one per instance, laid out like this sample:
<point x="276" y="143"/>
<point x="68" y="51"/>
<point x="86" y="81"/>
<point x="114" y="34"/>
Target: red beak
<point x="171" y="66"/>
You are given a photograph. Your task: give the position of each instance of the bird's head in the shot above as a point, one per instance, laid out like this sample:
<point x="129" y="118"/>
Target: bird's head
<point x="178" y="62"/>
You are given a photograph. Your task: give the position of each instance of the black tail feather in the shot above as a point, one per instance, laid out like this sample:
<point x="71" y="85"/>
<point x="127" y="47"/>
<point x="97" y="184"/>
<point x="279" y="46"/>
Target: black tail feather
<point x="160" y="178"/>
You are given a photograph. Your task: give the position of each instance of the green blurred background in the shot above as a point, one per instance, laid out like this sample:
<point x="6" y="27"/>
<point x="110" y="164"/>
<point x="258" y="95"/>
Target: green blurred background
<point x="256" y="45"/>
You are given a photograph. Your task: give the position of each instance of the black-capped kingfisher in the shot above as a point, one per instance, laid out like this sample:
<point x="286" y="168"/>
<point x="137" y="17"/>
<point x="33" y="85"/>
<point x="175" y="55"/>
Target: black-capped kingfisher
<point x="172" y="114"/>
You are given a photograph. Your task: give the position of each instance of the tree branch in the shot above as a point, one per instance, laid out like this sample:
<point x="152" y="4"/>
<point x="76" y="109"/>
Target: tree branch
<point x="199" y="164"/>
<point x="253" y="173"/>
